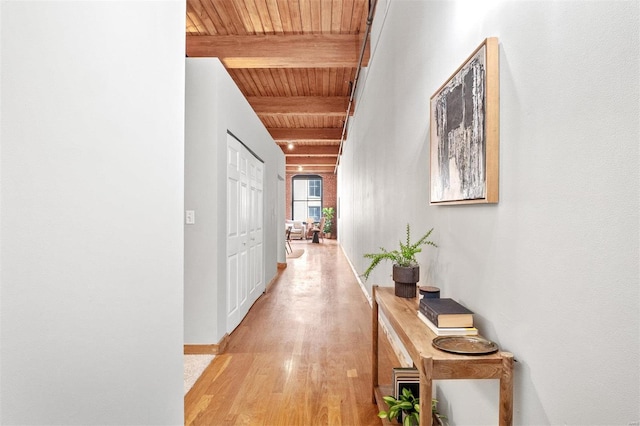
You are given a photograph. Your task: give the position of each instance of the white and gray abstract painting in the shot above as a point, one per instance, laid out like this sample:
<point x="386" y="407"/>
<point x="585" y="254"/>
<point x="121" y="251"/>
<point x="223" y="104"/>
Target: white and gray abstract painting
<point x="458" y="149"/>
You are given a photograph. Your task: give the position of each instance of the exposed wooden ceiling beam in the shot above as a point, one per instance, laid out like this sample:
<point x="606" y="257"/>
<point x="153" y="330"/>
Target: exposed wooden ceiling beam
<point x="311" y="169"/>
<point x="280" y="51"/>
<point x="311" y="151"/>
<point x="300" y="105"/>
<point x="311" y="161"/>
<point x="320" y="134"/>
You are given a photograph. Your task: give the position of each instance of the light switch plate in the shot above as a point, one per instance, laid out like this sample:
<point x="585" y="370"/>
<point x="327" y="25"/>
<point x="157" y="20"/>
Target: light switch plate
<point x="190" y="217"/>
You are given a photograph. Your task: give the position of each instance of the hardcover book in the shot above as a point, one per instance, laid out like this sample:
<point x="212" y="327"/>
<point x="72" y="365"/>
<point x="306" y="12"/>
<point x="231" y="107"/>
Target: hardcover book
<point x="446" y="313"/>
<point x="448" y="331"/>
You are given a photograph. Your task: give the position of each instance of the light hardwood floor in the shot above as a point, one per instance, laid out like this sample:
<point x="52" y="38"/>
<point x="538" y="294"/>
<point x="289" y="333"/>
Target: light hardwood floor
<point x="302" y="356"/>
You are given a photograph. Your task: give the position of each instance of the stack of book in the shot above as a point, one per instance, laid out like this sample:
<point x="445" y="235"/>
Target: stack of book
<point x="446" y="317"/>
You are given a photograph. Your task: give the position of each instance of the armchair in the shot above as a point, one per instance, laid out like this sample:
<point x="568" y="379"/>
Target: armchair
<point x="297" y="230"/>
<point x="309" y="230"/>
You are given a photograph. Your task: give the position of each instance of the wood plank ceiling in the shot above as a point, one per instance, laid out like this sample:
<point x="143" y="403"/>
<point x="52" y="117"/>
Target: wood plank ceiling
<point x="295" y="61"/>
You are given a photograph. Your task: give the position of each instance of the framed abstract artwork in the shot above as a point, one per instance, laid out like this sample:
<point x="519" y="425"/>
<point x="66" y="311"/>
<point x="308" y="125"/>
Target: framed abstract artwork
<point x="465" y="131"/>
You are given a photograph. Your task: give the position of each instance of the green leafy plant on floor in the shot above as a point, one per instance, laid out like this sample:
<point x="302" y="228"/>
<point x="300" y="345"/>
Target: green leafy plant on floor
<point x="407" y="404"/>
<point x="410" y="406"/>
<point x="404" y="256"/>
<point x="328" y="214"/>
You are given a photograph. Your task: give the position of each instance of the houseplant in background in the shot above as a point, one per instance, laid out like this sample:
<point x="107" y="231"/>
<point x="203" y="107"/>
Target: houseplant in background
<point x="328" y="213"/>
<point x="406" y="271"/>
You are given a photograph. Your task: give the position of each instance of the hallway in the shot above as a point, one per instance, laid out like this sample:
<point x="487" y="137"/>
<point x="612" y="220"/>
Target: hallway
<point x="302" y="356"/>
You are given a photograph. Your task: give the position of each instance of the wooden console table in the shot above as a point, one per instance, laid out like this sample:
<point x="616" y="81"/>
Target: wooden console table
<point x="432" y="363"/>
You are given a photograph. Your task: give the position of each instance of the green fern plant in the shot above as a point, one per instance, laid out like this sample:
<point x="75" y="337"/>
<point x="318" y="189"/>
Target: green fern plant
<point x="404" y="256"/>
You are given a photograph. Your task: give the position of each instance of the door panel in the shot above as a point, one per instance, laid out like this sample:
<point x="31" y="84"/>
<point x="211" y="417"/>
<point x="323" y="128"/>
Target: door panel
<point x="233" y="234"/>
<point x="245" y="266"/>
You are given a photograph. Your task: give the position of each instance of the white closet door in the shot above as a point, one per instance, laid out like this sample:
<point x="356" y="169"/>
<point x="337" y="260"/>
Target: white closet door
<point x="245" y="271"/>
<point x="256" y="276"/>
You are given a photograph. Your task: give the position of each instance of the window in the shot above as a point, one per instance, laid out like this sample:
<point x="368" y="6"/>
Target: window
<point x="307" y="197"/>
<point x="314" y="212"/>
<point x="315" y="187"/>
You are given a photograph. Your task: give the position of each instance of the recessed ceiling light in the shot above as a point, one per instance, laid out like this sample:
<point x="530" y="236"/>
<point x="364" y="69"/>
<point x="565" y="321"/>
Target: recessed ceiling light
<point x="290" y="146"/>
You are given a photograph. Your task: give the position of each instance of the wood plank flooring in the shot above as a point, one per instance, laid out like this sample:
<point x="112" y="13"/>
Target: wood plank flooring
<point x="302" y="356"/>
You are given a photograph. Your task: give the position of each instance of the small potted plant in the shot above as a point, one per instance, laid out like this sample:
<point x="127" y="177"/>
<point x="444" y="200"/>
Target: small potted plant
<point x="407" y="405"/>
<point x="406" y="271"/>
<point x="407" y="409"/>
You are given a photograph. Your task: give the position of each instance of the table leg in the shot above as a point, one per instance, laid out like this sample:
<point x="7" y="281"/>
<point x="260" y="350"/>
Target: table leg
<point x="374" y="345"/>
<point x="426" y="391"/>
<point x="506" y="390"/>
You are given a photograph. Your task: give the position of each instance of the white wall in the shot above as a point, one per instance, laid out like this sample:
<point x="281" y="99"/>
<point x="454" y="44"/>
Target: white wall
<point x="92" y="139"/>
<point x="215" y="105"/>
<point x="552" y="271"/>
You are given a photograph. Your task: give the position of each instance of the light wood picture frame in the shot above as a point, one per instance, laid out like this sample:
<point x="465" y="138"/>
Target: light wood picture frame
<point x="406" y="377"/>
<point x="465" y="131"/>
